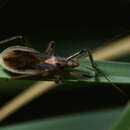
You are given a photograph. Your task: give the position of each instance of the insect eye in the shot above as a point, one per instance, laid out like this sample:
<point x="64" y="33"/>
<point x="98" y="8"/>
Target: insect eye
<point x="70" y="62"/>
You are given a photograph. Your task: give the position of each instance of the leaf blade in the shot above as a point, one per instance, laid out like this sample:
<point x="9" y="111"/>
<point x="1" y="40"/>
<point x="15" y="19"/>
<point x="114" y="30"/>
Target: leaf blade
<point x="117" y="72"/>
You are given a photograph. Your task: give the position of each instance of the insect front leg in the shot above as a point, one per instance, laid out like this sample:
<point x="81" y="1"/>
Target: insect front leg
<point x="50" y="49"/>
<point x="91" y="59"/>
<point x="81" y="75"/>
<point x="18" y="37"/>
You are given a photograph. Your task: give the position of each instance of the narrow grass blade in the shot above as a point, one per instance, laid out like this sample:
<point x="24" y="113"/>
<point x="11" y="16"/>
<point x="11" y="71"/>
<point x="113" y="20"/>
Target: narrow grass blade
<point x="117" y="72"/>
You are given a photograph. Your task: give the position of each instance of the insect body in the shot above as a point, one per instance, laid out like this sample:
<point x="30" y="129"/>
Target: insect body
<point x="28" y="62"/>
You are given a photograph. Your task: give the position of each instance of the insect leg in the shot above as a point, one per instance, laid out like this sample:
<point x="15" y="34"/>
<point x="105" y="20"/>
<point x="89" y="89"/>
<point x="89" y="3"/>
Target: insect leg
<point x="59" y="79"/>
<point x="21" y="76"/>
<point x="96" y="70"/>
<point x="81" y="75"/>
<point x="91" y="59"/>
<point x="50" y="49"/>
<point x="19" y="37"/>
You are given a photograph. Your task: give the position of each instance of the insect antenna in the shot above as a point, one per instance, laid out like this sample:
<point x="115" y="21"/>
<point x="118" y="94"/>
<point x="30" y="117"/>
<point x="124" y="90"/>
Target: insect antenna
<point x="95" y="69"/>
<point x="76" y="54"/>
<point x="98" y="72"/>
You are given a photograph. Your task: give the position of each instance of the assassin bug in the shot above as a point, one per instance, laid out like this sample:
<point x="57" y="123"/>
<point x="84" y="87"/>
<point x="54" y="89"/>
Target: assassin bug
<point x="28" y="62"/>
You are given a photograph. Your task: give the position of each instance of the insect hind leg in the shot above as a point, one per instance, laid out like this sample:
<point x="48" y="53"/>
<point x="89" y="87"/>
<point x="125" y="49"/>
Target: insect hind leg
<point x="21" y="76"/>
<point x="18" y="37"/>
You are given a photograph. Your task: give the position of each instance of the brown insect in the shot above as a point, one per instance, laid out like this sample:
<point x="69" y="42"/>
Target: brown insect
<point x="28" y="62"/>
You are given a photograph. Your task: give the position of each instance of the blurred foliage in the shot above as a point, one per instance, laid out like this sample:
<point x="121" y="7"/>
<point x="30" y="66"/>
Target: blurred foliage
<point x="123" y="122"/>
<point x="72" y="98"/>
<point x="100" y="120"/>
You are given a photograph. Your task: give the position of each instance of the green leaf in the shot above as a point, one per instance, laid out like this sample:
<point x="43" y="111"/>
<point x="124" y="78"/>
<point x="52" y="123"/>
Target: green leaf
<point x="116" y="72"/>
<point x="123" y="123"/>
<point x="83" y="121"/>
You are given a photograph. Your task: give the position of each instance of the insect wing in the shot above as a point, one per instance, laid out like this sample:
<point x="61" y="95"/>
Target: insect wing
<point x="22" y="59"/>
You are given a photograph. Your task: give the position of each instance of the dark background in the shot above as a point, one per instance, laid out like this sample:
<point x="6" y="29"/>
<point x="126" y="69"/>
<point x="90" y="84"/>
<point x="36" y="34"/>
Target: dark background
<point x="28" y="16"/>
<point x="93" y="21"/>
